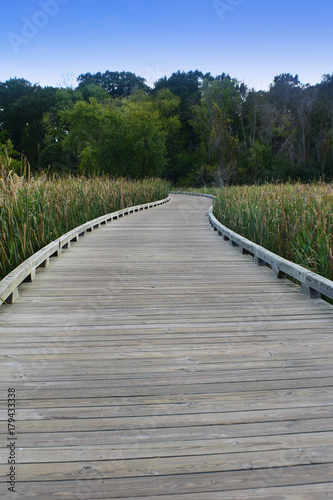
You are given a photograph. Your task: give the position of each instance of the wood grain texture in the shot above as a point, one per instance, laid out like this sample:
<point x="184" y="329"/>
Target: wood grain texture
<point x="152" y="360"/>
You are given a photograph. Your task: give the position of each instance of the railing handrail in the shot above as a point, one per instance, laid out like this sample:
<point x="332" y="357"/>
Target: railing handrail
<point x="312" y="284"/>
<point x="27" y="270"/>
<point x="194" y="194"/>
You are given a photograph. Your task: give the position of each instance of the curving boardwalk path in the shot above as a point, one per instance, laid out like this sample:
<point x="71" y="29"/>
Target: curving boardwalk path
<point x="153" y="360"/>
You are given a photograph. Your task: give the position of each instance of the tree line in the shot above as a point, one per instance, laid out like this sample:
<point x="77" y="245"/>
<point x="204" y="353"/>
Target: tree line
<point x="190" y="128"/>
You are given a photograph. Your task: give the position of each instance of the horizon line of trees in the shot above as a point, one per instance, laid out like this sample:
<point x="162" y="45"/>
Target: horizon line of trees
<point x="191" y="128"/>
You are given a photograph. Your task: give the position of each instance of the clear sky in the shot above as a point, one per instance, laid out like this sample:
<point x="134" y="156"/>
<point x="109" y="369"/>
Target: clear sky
<point x="51" y="42"/>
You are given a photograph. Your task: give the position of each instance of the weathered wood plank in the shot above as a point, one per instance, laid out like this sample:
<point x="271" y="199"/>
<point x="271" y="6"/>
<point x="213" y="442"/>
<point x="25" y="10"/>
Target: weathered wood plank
<point x="172" y="415"/>
<point x="169" y="466"/>
<point x="274" y="447"/>
<point x="86" y="487"/>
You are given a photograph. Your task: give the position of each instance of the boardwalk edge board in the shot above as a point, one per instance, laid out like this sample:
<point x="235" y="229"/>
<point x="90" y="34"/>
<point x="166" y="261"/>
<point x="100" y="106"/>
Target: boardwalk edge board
<point x="26" y="272"/>
<point x="312" y="285"/>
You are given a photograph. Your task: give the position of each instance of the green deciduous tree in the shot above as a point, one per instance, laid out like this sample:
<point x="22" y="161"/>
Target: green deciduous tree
<point x="56" y="157"/>
<point x="116" y="84"/>
<point x="126" y="140"/>
<point x="217" y="121"/>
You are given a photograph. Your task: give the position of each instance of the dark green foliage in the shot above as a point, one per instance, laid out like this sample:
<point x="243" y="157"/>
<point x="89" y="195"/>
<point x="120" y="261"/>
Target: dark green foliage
<point x="191" y="127"/>
<point x="115" y="84"/>
<point x="125" y="140"/>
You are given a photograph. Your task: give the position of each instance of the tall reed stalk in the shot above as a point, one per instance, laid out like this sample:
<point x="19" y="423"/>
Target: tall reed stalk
<point x="293" y="220"/>
<point x="35" y="211"/>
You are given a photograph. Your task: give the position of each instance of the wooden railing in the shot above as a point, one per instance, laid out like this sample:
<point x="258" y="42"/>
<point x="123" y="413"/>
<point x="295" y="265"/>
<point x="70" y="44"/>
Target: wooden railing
<point x="312" y="285"/>
<point x="26" y="272"/>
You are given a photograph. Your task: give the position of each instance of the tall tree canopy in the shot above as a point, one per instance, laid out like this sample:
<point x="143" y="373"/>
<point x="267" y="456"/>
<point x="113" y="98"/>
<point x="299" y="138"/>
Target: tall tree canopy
<point x="116" y="84"/>
<point x="190" y="127"/>
<point x="126" y="140"/>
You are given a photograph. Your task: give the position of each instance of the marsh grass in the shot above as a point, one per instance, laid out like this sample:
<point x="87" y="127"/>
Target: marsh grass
<point x="36" y="210"/>
<point x="294" y="221"/>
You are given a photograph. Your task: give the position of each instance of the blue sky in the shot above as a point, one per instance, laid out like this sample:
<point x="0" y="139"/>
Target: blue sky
<point x="52" y="41"/>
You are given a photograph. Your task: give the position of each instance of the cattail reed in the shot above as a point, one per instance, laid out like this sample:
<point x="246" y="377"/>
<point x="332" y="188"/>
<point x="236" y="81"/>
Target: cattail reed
<point x="293" y="220"/>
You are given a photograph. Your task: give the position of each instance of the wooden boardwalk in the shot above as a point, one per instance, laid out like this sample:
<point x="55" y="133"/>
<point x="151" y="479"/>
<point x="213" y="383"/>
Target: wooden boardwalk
<point x="153" y="360"/>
